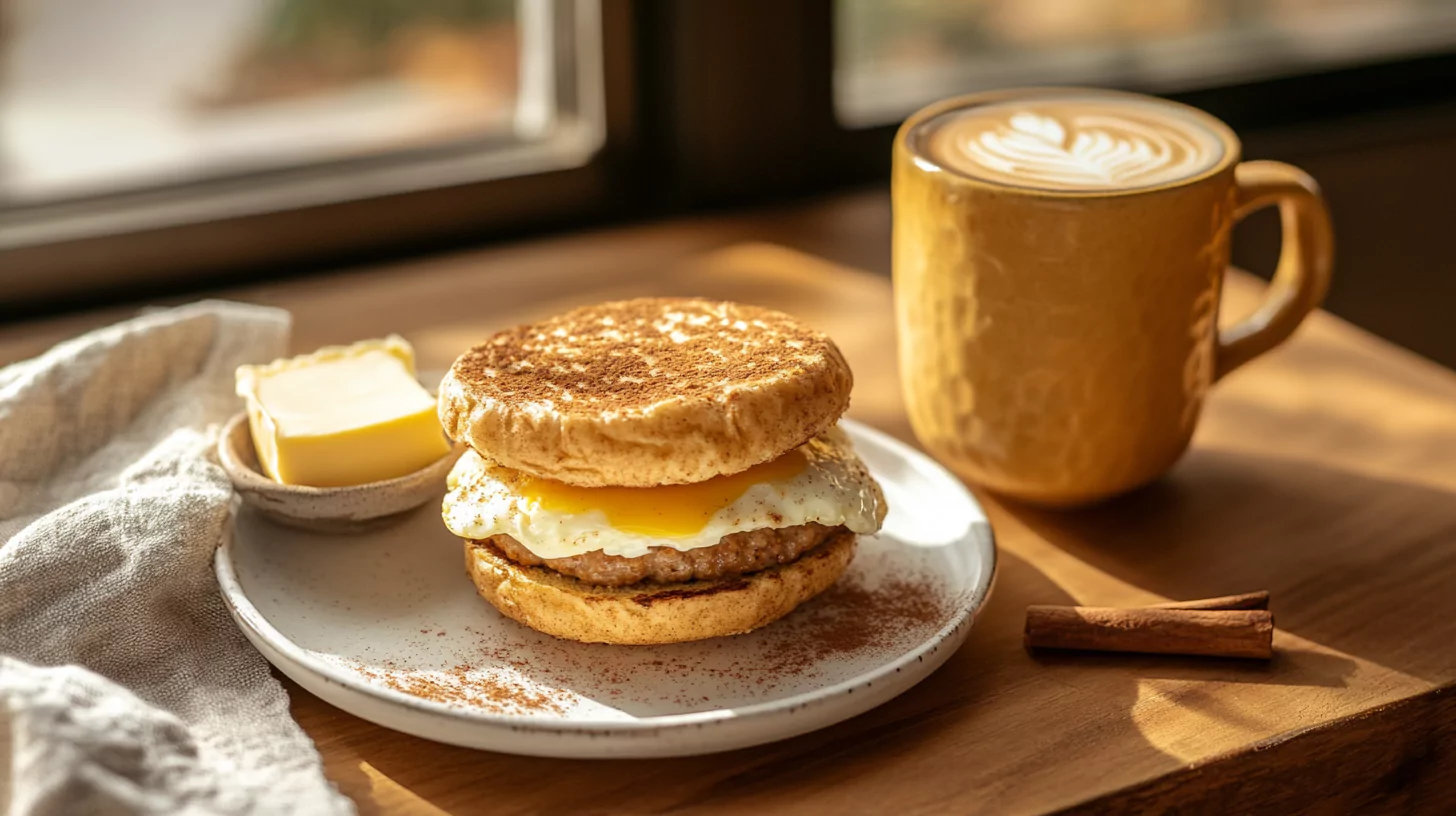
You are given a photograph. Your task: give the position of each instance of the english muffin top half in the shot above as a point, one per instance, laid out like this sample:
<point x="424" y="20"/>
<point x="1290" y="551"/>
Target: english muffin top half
<point x="646" y="392"/>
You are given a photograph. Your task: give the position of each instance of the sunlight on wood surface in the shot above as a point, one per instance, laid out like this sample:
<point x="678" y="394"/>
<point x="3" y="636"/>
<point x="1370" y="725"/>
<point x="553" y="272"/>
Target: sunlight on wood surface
<point x="1324" y="472"/>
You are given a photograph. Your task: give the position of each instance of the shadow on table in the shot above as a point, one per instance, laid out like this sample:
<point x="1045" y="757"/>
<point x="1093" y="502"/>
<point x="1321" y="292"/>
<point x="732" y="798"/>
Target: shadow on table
<point x="1290" y="667"/>
<point x="1219" y="524"/>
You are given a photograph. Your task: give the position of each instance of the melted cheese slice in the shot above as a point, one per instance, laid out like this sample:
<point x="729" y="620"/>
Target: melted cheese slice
<point x="822" y="481"/>
<point x="344" y="415"/>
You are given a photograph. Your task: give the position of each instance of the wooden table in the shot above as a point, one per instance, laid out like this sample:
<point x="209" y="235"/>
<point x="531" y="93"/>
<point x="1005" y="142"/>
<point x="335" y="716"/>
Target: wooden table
<point x="1325" y="473"/>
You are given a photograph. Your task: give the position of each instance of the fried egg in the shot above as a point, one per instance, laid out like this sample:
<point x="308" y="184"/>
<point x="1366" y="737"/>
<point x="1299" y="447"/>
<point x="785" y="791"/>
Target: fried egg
<point x="822" y="481"/>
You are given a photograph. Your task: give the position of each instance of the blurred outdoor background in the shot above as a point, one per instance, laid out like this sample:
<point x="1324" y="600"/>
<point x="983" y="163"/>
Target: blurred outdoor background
<point x="897" y="55"/>
<point x="167" y="145"/>
<point x="101" y="96"/>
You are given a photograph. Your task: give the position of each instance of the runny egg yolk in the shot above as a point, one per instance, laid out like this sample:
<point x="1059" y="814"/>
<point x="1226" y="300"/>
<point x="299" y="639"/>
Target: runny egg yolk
<point x="668" y="510"/>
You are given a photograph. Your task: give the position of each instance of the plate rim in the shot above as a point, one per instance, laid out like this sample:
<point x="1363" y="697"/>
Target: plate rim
<point x="969" y="606"/>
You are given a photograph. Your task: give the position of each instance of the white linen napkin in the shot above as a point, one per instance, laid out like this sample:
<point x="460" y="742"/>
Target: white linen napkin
<point x="125" y="687"/>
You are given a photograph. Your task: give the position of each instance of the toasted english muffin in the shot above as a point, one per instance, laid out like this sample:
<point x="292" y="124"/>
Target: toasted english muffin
<point x="646" y="392"/>
<point x="644" y="614"/>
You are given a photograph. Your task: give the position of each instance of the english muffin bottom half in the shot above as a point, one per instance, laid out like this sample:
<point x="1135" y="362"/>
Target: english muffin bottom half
<point x="655" y="471"/>
<point x="651" y="613"/>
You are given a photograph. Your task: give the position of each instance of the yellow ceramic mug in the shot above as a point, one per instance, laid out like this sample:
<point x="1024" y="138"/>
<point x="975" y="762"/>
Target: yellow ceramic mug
<point x="1058" y="258"/>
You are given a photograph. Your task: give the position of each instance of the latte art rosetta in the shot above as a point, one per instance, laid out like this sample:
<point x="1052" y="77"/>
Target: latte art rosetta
<point x="1102" y="150"/>
<point x="1074" y="145"/>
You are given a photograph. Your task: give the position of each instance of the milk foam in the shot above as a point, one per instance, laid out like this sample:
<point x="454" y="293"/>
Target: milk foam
<point x="1076" y="143"/>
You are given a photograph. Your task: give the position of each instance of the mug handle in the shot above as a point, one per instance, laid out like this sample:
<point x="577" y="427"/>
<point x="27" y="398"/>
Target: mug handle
<point x="1303" y="274"/>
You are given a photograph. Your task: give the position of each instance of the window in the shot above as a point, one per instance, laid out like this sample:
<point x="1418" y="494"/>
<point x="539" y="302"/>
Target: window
<point x="141" y="114"/>
<point x="894" y="56"/>
<point x="162" y="143"/>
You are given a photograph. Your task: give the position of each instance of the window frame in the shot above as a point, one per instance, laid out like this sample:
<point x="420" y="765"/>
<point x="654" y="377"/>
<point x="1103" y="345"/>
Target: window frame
<point x="707" y="105"/>
<point x="138" y="241"/>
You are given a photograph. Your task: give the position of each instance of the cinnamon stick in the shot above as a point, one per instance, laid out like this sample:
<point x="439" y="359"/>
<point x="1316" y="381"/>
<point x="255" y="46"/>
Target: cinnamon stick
<point x="1248" y="600"/>
<point x="1247" y="633"/>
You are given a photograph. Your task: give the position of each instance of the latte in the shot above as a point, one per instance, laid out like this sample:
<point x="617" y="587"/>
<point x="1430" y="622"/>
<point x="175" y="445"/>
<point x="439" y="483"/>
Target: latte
<point x="1072" y="143"/>
<point x="1059" y="257"/>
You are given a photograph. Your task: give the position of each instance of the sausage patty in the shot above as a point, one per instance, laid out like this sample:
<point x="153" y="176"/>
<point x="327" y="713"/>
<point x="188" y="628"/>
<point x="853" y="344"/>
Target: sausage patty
<point x="734" y="554"/>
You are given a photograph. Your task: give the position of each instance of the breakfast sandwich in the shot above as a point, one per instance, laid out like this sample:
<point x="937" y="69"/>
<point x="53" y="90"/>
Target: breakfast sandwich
<point x="654" y="470"/>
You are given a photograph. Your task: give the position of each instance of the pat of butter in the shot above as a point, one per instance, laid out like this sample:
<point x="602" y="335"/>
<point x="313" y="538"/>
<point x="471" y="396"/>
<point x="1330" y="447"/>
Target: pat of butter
<point x="344" y="415"/>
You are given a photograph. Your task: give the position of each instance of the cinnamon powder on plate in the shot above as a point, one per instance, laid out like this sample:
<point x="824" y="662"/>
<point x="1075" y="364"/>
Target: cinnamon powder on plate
<point x="468" y="686"/>
<point x="850" y="618"/>
<point x="532" y="674"/>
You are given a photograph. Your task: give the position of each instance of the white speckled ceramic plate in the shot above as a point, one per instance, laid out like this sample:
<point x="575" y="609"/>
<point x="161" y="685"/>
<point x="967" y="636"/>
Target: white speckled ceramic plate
<point x="387" y="626"/>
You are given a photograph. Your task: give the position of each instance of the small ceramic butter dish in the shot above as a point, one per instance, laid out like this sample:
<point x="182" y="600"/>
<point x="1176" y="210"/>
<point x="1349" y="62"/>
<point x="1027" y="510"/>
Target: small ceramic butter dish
<point x="326" y="509"/>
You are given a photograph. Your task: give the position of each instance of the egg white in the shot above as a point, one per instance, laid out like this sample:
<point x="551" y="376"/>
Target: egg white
<point x="833" y="489"/>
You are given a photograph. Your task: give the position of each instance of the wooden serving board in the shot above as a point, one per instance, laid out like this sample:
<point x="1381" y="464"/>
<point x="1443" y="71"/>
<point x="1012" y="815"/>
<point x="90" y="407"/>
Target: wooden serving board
<point x="1325" y="473"/>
